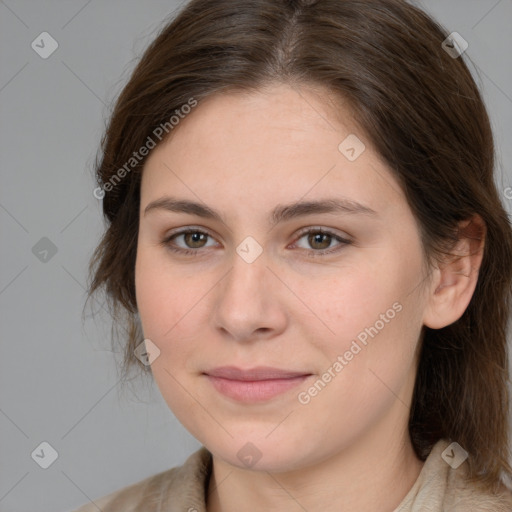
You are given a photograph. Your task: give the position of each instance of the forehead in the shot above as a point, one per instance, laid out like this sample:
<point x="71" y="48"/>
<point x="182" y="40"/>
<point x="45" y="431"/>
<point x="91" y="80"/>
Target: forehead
<point x="276" y="145"/>
<point x="296" y="114"/>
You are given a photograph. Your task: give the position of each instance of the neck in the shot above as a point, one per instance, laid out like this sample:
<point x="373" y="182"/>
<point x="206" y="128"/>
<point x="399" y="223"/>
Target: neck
<point x="374" y="474"/>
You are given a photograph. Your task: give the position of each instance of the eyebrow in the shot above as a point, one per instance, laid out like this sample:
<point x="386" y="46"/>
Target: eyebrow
<point x="281" y="213"/>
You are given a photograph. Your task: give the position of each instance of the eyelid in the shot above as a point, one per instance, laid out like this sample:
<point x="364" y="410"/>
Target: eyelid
<point x="326" y="231"/>
<point x="342" y="240"/>
<point x="183" y="231"/>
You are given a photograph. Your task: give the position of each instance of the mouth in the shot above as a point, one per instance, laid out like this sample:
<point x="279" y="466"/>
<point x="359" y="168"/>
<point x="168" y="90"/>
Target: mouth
<point x="256" y="384"/>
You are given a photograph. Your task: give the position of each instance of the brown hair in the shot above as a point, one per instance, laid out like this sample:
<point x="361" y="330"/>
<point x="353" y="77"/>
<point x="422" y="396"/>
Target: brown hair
<point x="425" y="116"/>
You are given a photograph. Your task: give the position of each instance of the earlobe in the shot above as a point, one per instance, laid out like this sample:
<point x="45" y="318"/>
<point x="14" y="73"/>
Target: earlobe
<point x="454" y="281"/>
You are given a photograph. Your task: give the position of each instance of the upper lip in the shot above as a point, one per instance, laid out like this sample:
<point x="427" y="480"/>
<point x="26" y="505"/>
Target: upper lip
<point x="252" y="374"/>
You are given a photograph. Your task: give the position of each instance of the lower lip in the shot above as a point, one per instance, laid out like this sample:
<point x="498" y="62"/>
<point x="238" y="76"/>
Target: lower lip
<point x="257" y="390"/>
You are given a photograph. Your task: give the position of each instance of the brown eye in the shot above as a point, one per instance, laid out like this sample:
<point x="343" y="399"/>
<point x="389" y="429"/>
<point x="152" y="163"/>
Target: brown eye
<point x="319" y="240"/>
<point x="188" y="241"/>
<point x="195" y="239"/>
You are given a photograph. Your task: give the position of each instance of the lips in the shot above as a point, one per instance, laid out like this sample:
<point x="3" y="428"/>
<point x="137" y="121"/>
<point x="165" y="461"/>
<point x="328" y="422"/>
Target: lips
<point x="255" y="384"/>
<point x="254" y="374"/>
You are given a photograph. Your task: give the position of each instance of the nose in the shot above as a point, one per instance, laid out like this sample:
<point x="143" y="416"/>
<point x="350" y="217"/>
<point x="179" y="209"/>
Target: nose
<point x="249" y="301"/>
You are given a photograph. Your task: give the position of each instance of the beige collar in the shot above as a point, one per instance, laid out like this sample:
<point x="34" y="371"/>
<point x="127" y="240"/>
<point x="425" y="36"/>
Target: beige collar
<point x="438" y="488"/>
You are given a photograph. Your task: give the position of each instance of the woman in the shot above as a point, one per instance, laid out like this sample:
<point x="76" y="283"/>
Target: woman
<point x="314" y="262"/>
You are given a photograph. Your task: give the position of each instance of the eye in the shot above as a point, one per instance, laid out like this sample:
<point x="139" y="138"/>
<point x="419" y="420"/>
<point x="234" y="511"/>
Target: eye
<point x="321" y="239"/>
<point x="194" y="239"/>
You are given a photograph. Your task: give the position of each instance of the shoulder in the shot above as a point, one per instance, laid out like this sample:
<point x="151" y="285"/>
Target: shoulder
<point x="167" y="487"/>
<point x="458" y="491"/>
<point x="466" y="495"/>
<point x="128" y="498"/>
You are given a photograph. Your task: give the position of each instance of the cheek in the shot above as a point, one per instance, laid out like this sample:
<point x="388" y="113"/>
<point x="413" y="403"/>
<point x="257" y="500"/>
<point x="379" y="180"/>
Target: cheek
<point x="358" y="300"/>
<point x="173" y="309"/>
<point x="162" y="296"/>
<point x="163" y="303"/>
<point x="153" y="302"/>
<point x="373" y="314"/>
<point x="367" y="363"/>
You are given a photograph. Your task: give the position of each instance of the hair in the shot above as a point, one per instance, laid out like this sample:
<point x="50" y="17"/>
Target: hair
<point x="424" y="114"/>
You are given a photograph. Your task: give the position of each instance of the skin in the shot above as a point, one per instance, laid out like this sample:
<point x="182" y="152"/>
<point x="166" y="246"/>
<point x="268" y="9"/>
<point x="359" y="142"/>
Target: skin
<point x="348" y="448"/>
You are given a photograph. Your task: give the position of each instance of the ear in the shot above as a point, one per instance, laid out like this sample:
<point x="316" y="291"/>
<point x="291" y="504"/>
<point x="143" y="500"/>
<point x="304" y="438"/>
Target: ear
<point x="454" y="280"/>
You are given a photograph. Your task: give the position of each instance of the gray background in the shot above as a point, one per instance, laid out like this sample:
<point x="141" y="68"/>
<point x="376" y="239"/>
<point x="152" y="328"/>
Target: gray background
<point x="58" y="379"/>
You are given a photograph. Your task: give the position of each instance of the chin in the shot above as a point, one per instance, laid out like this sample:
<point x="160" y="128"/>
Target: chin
<point x="255" y="453"/>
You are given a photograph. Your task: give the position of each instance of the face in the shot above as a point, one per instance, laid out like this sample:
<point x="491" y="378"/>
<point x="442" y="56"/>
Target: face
<point x="331" y="295"/>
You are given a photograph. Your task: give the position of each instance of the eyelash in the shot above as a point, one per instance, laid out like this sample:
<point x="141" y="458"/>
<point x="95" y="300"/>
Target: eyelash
<point x="166" y="242"/>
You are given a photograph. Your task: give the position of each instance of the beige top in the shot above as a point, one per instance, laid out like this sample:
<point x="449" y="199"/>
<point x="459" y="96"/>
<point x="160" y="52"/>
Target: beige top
<point x="439" y="488"/>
